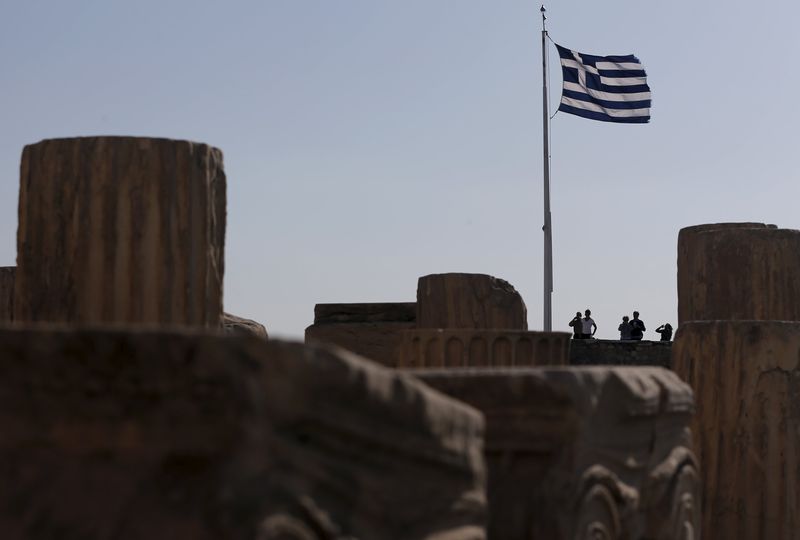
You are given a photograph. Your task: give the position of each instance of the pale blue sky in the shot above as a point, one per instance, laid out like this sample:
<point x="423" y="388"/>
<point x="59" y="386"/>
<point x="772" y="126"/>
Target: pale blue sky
<point x="371" y="142"/>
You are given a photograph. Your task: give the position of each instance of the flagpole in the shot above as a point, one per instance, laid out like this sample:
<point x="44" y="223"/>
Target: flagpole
<point x="547" y="317"/>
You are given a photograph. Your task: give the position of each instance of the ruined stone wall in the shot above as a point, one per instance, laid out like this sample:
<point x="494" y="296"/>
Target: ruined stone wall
<point x="482" y="348"/>
<point x="465" y="303"/>
<point x="603" y="352"/>
<point x="373" y="331"/>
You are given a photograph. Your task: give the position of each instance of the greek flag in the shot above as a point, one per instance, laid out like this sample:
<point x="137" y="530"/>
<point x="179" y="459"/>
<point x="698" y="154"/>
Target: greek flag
<point x="606" y="88"/>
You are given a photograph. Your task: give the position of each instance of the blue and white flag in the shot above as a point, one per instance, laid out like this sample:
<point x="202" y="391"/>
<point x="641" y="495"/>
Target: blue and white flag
<point x="606" y="88"/>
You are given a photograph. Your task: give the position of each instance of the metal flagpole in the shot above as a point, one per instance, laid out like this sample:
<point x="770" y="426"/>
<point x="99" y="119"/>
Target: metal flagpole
<point x="547" y="317"/>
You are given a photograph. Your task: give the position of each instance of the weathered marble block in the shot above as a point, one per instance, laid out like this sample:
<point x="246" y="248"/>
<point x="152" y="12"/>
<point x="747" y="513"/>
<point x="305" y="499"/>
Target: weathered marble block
<point x="475" y="301"/>
<point x="738" y="271"/>
<point x="482" y="348"/>
<point x="746" y="377"/>
<point x="583" y="453"/>
<point x="140" y="434"/>
<point x="120" y="230"/>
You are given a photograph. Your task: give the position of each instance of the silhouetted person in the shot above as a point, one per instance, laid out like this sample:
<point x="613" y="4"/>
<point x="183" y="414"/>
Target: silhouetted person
<point x="625" y="329"/>
<point x="577" y="326"/>
<point x="637" y="327"/>
<point x="589" y="328"/>
<point x="666" y="332"/>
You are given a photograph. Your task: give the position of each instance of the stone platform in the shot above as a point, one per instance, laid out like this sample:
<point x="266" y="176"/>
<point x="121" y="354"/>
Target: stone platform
<point x="607" y="352"/>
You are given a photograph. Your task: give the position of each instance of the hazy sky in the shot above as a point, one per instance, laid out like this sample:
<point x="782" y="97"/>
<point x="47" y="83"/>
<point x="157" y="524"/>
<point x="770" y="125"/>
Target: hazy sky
<point x="370" y="142"/>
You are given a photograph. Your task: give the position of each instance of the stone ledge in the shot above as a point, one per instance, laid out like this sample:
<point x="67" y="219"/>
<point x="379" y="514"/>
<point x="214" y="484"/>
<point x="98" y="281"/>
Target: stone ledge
<point x="609" y="352"/>
<point x="449" y="347"/>
<point x="365" y="313"/>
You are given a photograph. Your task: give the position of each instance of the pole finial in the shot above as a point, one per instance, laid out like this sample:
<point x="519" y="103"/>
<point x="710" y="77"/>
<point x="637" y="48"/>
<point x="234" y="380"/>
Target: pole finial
<point x="544" y="17"/>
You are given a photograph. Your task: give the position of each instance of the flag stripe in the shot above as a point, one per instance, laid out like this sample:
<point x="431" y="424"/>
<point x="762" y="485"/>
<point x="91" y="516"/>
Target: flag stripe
<point x="603" y="117"/>
<point x="610" y="72"/>
<point x="623" y="81"/>
<point x="563" y="52"/>
<point x="617" y="113"/>
<point x="619" y="65"/>
<point x="607" y="96"/>
<point x="622" y="73"/>
<point x="606" y="88"/>
<point x="641" y="104"/>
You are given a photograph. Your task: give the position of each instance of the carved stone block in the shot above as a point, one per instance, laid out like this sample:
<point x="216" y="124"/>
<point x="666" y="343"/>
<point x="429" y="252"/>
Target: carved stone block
<point x="473" y="301"/>
<point x="738" y="272"/>
<point x="583" y="453"/>
<point x="746" y="377"/>
<point x="373" y="331"/>
<point x="120" y="230"/>
<point x="141" y="434"/>
<point x="7" y="293"/>
<point x="483" y="348"/>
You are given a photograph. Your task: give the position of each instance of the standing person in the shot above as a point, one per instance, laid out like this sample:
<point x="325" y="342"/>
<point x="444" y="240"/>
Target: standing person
<point x="577" y="326"/>
<point x="666" y="332"/>
<point x="589" y="328"/>
<point x="637" y="327"/>
<point x="625" y="329"/>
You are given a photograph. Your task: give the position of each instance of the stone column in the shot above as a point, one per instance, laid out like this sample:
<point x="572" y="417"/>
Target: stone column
<point x="7" y="293"/>
<point x="473" y="301"/>
<point x="120" y="230"/>
<point x="746" y="379"/>
<point x="738" y="271"/>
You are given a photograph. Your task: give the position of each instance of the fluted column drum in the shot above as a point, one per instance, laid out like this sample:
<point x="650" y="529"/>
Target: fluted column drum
<point x="745" y="379"/>
<point x="120" y="230"/>
<point x="738" y="271"/>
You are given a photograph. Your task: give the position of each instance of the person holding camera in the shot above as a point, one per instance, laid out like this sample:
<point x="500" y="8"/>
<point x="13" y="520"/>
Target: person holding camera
<point x="637" y="327"/>
<point x="577" y="326"/>
<point x="666" y="332"/>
